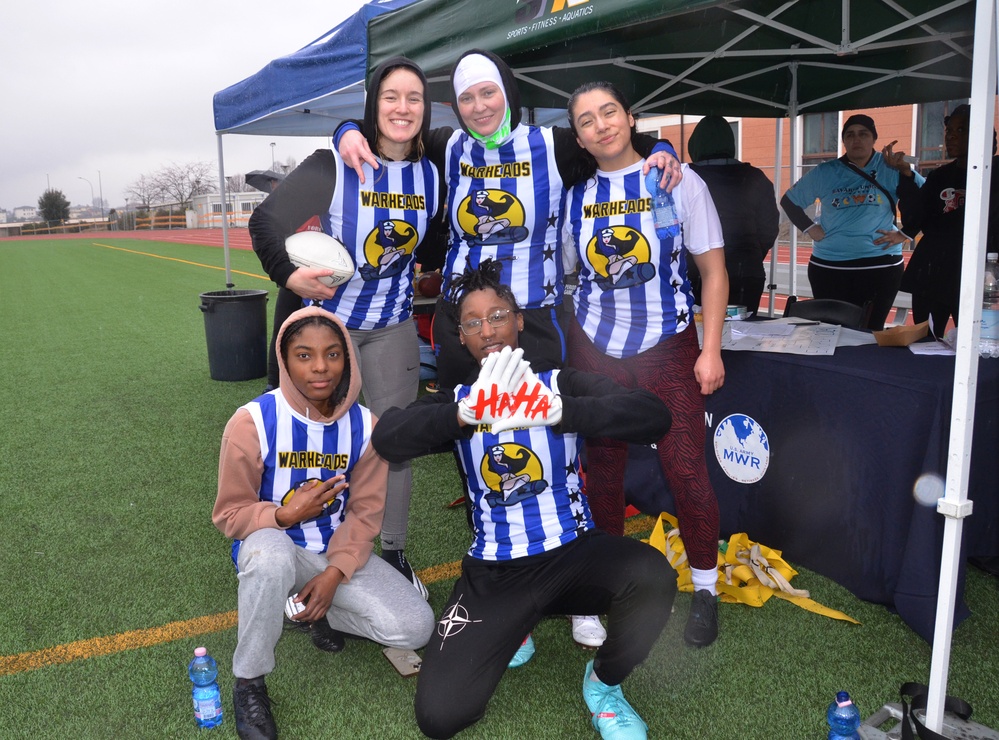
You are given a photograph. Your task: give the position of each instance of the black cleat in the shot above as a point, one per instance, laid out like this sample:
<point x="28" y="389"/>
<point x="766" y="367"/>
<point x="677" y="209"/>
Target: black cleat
<point x="254" y="720"/>
<point x="702" y="622"/>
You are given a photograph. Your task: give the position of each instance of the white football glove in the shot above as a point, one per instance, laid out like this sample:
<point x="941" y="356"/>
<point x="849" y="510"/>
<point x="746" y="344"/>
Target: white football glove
<point x="485" y="402"/>
<point x="532" y="405"/>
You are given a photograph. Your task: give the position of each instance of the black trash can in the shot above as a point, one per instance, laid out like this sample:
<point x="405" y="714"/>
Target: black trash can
<point x="236" y="330"/>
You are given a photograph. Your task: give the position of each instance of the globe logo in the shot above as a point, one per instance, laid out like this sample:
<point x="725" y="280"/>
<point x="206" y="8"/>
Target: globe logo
<point x="742" y="448"/>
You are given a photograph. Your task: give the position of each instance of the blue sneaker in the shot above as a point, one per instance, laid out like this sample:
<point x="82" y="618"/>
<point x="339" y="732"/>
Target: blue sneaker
<point x="524" y="653"/>
<point x="613" y="717"/>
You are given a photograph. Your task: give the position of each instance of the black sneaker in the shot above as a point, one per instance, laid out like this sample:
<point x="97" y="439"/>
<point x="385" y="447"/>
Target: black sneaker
<point x="702" y="622"/>
<point x="325" y="637"/>
<point x="254" y="720"/>
<point x="322" y="635"/>
<point x="397" y="560"/>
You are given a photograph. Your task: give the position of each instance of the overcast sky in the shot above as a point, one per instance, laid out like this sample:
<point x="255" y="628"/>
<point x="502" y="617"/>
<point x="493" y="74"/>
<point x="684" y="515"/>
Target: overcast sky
<point x="124" y="88"/>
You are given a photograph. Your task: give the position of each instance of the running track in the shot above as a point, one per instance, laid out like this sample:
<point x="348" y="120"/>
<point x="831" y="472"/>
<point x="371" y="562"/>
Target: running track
<point x="239" y="238"/>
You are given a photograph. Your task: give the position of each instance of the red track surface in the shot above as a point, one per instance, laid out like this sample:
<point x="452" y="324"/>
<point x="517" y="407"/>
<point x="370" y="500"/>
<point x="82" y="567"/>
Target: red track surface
<point x="239" y="238"/>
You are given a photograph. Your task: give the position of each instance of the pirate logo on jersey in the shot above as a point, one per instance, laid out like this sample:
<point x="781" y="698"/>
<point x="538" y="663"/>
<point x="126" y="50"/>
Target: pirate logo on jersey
<point x="621" y="258"/>
<point x="388" y="249"/>
<point x="513" y="474"/>
<point x="491" y="217"/>
<point x="330" y="508"/>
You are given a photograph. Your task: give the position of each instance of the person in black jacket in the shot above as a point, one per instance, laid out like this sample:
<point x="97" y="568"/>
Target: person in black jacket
<point x="933" y="274"/>
<point x="535" y="550"/>
<point x="747" y="208"/>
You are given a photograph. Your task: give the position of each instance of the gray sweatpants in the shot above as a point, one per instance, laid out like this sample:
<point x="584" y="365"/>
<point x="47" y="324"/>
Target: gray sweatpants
<point x="377" y="602"/>
<point x="389" y="359"/>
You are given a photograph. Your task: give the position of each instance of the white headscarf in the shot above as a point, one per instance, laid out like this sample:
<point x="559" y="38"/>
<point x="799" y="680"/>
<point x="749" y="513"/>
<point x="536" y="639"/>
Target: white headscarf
<point x="472" y="70"/>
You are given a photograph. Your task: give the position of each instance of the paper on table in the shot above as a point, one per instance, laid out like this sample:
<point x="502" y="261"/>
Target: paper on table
<point x="761" y="329"/>
<point x="932" y="348"/>
<point x="854" y="338"/>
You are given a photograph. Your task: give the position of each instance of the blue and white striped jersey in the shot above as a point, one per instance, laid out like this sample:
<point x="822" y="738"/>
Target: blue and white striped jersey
<point x="633" y="289"/>
<point x="380" y="222"/>
<point x="524" y="489"/>
<point x="295" y="449"/>
<point x="507" y="204"/>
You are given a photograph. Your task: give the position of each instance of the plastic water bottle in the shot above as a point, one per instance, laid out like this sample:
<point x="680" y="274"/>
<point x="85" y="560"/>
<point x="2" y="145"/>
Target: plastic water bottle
<point x="988" y="340"/>
<point x="843" y="718"/>
<point x="663" y="210"/>
<point x="207" y="701"/>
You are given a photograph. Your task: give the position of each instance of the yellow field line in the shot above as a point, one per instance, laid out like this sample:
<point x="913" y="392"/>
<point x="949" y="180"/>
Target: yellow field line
<point x="134" y="639"/>
<point x="177" y="259"/>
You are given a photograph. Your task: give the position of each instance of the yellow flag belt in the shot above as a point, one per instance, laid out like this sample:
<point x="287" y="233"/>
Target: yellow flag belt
<point x="748" y="572"/>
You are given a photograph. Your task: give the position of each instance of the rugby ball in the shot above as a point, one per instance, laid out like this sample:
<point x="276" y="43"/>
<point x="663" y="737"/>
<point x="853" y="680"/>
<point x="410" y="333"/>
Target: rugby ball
<point x="429" y="284"/>
<point x="318" y="249"/>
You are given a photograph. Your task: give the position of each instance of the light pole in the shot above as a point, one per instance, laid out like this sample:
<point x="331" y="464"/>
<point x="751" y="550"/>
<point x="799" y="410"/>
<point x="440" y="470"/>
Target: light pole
<point x="91" y="192"/>
<point x="100" y="191"/>
<point x="273" y="144"/>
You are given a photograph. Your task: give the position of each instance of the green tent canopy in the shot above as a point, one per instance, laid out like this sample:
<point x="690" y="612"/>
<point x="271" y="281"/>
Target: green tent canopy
<point x="744" y="58"/>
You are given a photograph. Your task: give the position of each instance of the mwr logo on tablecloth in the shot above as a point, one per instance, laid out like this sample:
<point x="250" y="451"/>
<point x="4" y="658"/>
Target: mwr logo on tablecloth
<point x="742" y="448"/>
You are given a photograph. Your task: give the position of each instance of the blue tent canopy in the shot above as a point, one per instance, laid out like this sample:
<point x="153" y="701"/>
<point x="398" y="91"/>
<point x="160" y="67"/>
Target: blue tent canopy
<point x="308" y="92"/>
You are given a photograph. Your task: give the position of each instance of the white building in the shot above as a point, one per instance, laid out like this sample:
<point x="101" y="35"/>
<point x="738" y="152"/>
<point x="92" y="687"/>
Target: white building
<point x="25" y="213"/>
<point x="207" y="209"/>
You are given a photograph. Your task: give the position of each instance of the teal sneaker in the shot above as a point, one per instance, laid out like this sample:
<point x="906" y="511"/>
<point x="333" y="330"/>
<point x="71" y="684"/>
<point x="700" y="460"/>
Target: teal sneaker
<point x="613" y="717"/>
<point x="524" y="653"/>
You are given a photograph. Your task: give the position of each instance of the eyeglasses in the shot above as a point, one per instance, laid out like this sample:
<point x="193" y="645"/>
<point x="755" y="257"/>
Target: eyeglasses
<point x="496" y="318"/>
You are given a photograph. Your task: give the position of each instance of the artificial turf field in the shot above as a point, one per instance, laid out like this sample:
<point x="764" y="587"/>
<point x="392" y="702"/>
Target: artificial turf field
<point x="114" y="573"/>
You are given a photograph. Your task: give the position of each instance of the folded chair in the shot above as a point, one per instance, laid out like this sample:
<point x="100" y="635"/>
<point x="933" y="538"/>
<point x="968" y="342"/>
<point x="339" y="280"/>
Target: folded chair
<point x="829" y="311"/>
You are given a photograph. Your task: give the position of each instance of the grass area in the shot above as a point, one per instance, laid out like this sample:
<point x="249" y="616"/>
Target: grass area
<point x="110" y="449"/>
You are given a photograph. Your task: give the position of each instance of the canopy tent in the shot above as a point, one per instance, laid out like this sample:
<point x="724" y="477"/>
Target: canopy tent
<point x="749" y="58"/>
<point x="306" y="93"/>
<point x="742" y="58"/>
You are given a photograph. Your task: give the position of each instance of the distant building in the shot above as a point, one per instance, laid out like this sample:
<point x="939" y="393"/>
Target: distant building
<point x="918" y="130"/>
<point x="3" y="216"/>
<point x="208" y="209"/>
<point x="25" y="213"/>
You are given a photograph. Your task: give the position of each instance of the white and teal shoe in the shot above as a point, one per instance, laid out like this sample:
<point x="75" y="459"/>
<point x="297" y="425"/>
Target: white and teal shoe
<point x="613" y="717"/>
<point x="524" y="653"/>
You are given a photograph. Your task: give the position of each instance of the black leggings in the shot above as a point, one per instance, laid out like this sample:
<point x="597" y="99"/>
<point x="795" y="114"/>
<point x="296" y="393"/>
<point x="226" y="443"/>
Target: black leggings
<point x="924" y="307"/>
<point x="858" y="285"/>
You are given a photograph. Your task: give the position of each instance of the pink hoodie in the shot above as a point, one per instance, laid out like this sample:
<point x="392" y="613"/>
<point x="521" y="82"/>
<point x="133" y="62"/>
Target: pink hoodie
<point x="238" y="509"/>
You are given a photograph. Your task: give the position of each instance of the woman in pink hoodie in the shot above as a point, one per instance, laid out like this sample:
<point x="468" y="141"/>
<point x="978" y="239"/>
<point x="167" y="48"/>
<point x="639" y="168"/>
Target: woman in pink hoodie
<point x="302" y="492"/>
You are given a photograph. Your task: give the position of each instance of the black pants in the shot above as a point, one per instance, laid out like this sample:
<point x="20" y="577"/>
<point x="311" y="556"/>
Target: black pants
<point x="542" y="340"/>
<point x="494" y="606"/>
<point x="286" y="304"/>
<point x="924" y="307"/>
<point x="858" y="285"/>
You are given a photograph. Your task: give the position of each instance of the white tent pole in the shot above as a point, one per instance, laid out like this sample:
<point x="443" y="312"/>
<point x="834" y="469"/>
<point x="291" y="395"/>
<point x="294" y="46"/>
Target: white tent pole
<point x="955" y="505"/>
<point x="225" y="215"/>
<point x="778" y="193"/>
<point x="792" y="114"/>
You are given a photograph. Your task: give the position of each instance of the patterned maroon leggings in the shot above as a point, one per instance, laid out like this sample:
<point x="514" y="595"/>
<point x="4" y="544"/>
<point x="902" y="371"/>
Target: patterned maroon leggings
<point x="668" y="371"/>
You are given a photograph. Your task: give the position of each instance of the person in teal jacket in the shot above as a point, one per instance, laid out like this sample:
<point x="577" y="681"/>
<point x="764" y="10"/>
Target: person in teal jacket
<point x="857" y="252"/>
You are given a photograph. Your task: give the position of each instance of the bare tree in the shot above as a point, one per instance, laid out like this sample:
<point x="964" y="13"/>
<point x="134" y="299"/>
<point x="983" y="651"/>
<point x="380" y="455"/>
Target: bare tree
<point x="237" y="184"/>
<point x="144" y="192"/>
<point x="179" y="183"/>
